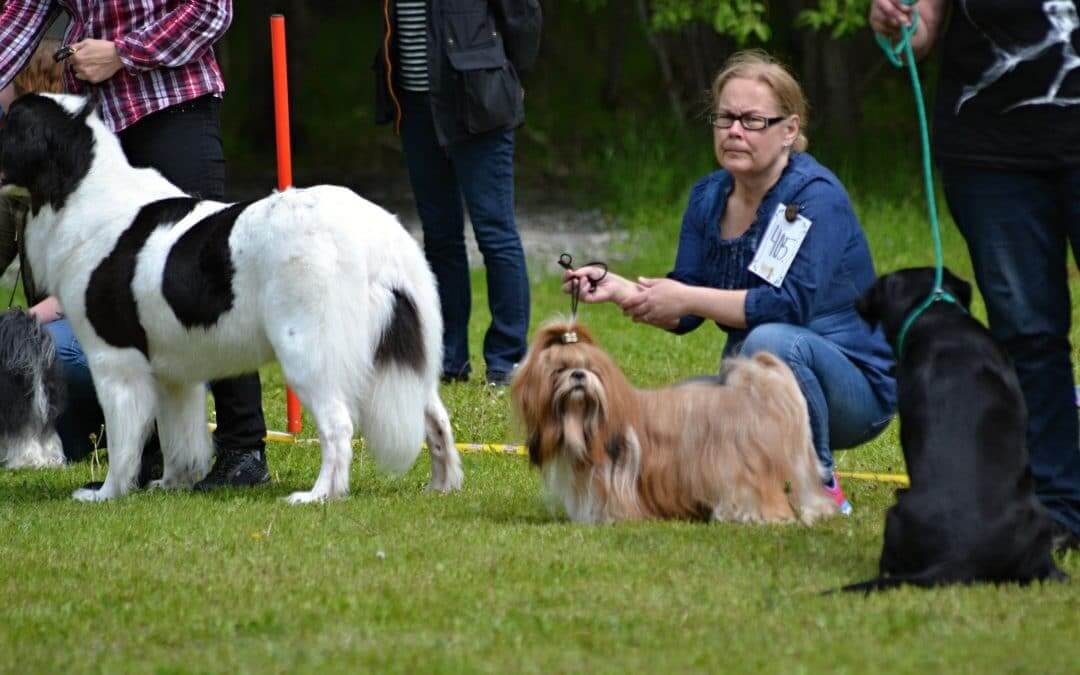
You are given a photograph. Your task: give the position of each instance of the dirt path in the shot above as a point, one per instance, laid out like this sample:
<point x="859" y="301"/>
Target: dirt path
<point x="548" y="226"/>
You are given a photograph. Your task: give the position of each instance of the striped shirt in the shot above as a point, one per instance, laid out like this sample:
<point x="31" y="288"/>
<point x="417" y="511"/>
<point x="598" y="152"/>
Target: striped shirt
<point x="165" y="47"/>
<point x="412" y="44"/>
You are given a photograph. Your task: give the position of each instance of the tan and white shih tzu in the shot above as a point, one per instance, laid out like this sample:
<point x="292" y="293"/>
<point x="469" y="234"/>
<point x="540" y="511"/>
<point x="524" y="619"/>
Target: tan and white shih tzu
<point x="735" y="447"/>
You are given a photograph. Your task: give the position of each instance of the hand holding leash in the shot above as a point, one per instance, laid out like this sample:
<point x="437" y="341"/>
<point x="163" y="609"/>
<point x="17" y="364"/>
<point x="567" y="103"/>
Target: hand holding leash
<point x="595" y="273"/>
<point x="93" y="61"/>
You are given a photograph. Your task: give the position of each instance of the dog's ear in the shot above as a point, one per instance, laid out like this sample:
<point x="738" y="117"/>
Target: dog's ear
<point x="958" y="287"/>
<point x="869" y="303"/>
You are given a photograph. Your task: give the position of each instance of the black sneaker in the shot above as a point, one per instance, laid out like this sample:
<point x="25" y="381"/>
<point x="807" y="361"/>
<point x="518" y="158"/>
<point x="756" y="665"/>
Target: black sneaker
<point x="236" y="468"/>
<point x="497" y="379"/>
<point x="1062" y="538"/>
<point x="452" y="378"/>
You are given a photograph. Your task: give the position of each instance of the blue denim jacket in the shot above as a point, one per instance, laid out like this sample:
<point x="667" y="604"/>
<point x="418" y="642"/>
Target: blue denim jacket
<point x="832" y="268"/>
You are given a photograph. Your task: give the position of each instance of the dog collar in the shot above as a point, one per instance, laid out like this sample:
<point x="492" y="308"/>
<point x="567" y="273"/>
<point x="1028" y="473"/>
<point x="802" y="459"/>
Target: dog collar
<point x="939" y="295"/>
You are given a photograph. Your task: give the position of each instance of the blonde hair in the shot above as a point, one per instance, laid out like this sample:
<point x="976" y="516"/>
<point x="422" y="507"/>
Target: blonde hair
<point x="42" y="73"/>
<point x="755" y="64"/>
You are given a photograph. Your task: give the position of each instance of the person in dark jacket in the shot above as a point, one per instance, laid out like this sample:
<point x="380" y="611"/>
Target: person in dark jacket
<point x="1007" y="141"/>
<point x="771" y="250"/>
<point x="448" y="76"/>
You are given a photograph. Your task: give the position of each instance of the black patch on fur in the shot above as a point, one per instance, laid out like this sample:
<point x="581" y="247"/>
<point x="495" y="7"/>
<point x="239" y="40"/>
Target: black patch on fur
<point x="533" y="445"/>
<point x="46" y="150"/>
<point x="110" y="302"/>
<point x="614" y="448"/>
<point x="402" y="341"/>
<point x="199" y="271"/>
<point x="702" y="511"/>
<point x="27" y="356"/>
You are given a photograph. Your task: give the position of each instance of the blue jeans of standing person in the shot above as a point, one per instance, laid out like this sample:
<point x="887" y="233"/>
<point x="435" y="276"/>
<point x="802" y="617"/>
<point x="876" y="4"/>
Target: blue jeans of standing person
<point x="844" y="409"/>
<point x="1018" y="225"/>
<point x="480" y="170"/>
<point x="82" y="414"/>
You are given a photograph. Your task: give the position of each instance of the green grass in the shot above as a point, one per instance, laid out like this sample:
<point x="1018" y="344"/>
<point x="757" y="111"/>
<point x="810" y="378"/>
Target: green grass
<point x="396" y="579"/>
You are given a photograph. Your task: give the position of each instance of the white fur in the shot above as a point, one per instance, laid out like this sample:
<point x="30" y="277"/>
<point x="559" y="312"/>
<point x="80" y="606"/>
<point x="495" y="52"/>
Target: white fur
<point x="315" y="269"/>
<point x="32" y="451"/>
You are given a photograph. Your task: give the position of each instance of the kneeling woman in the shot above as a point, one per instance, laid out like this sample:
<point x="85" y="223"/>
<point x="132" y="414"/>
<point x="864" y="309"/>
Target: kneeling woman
<point x="771" y="250"/>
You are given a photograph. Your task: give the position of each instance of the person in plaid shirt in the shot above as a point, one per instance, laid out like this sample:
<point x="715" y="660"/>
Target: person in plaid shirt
<point x="150" y="65"/>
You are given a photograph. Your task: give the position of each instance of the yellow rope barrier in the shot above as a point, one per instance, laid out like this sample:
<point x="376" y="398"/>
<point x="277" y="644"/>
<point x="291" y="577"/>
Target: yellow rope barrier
<point x="898" y="478"/>
<point x="272" y="436"/>
<point x="520" y="451"/>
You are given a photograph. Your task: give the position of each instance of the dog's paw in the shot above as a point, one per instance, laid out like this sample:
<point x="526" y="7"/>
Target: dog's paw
<point x="85" y="495"/>
<point x="311" y="497"/>
<point x="451" y="480"/>
<point x="163" y="484"/>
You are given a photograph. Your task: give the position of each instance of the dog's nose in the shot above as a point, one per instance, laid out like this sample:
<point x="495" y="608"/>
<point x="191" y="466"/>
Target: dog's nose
<point x="578" y="375"/>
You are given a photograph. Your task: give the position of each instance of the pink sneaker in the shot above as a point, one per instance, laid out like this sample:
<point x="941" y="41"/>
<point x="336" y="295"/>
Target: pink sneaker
<point x="837" y="494"/>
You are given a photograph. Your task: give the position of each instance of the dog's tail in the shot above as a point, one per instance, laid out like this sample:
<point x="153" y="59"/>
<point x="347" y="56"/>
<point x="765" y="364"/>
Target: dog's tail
<point x="407" y="361"/>
<point x="877" y="584"/>
<point x="808" y="498"/>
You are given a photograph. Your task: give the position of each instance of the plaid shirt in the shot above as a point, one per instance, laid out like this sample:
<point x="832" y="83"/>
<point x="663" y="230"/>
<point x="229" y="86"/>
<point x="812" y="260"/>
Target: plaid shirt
<point x="165" y="47"/>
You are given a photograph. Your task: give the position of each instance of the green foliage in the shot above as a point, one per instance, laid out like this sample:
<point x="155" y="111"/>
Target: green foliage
<point x="744" y="20"/>
<point x="843" y="16"/>
<point x="741" y="19"/>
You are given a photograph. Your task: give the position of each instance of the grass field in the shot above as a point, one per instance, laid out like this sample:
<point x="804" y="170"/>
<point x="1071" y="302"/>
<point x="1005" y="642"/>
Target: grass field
<point x="488" y="580"/>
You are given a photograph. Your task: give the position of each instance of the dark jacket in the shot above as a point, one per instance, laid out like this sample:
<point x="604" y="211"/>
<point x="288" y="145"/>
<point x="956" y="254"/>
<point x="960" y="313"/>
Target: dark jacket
<point x="477" y="51"/>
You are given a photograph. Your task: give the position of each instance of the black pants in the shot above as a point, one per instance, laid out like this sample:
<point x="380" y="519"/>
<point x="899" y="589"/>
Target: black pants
<point x="184" y="143"/>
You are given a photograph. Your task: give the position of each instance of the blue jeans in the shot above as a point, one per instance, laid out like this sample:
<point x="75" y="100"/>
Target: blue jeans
<point x="481" y="170"/>
<point x="82" y="415"/>
<point x="1017" y="225"/>
<point x="844" y="409"/>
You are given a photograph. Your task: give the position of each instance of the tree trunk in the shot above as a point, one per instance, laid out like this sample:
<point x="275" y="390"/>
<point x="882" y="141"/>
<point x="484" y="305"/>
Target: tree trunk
<point x="663" y="61"/>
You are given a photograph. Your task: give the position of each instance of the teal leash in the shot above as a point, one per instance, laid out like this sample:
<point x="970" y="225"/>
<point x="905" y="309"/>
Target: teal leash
<point x="893" y="53"/>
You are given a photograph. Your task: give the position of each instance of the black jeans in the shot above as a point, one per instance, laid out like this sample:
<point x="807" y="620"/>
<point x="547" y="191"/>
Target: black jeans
<point x="184" y="143"/>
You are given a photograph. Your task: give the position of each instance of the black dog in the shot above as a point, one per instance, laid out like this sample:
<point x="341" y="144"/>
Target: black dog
<point x="971" y="514"/>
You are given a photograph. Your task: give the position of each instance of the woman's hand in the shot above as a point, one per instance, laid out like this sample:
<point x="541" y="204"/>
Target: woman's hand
<point x="659" y="302"/>
<point x="888" y="16"/>
<point x="47" y="311"/>
<point x="95" y="60"/>
<point x="609" y="287"/>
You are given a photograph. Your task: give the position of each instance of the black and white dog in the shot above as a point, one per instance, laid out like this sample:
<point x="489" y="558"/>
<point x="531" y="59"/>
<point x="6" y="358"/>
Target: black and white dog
<point x="971" y="513"/>
<point x="166" y="292"/>
<point x="31" y="394"/>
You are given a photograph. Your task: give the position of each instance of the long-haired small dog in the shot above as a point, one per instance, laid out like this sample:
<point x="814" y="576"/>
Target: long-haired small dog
<point x="734" y="447"/>
<point x="31" y="394"/>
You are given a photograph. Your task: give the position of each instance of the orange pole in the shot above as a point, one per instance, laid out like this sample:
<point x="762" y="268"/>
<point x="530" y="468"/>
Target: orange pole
<point x="284" y="160"/>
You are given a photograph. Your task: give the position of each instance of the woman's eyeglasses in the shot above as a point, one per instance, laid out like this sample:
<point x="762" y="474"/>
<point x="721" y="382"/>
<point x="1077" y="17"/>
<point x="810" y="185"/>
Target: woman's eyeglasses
<point x="748" y="121"/>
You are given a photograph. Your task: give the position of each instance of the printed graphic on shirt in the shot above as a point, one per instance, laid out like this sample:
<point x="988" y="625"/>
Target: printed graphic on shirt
<point x="780" y="244"/>
<point x="1056" y="44"/>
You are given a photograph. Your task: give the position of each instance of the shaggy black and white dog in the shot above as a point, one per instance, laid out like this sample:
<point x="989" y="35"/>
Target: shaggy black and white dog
<point x="166" y="292"/>
<point x="31" y="394"/>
